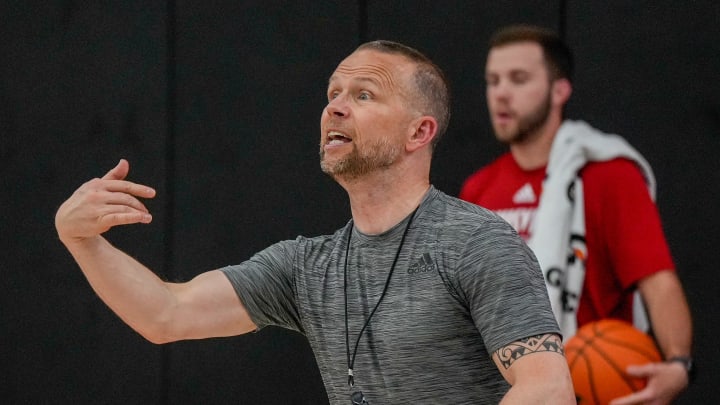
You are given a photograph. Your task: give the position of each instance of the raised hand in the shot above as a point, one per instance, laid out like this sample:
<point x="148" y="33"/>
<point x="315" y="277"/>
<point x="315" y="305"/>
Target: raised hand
<point x="100" y="204"/>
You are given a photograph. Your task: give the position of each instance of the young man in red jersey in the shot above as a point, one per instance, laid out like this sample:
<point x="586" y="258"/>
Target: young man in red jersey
<point x="584" y="202"/>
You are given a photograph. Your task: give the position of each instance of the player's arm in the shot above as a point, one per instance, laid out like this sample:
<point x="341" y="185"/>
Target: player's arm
<point x="669" y="312"/>
<point x="537" y="370"/>
<point x="638" y="248"/>
<point x="639" y="252"/>
<point x="161" y="312"/>
<point x="672" y="326"/>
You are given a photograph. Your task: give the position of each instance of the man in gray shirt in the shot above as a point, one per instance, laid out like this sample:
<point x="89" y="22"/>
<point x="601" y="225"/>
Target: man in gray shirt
<point x="420" y="298"/>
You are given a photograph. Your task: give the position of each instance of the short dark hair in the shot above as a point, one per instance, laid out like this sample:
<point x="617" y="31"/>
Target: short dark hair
<point x="432" y="85"/>
<point x="558" y="56"/>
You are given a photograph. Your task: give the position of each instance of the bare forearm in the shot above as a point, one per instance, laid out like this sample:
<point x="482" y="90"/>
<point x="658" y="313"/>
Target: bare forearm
<point x="131" y="290"/>
<point x="673" y="332"/>
<point x="669" y="314"/>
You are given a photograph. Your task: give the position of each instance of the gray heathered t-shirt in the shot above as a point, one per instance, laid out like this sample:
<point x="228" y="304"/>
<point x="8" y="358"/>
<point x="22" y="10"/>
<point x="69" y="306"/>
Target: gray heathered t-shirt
<point x="464" y="285"/>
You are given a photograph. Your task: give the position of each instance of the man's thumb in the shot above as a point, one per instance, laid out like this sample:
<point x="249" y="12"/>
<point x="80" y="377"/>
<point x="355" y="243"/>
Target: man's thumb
<point x="119" y="172"/>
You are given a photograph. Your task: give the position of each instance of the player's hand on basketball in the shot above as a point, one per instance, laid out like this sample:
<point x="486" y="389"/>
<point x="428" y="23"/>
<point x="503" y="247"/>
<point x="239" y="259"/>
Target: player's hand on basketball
<point x="665" y="381"/>
<point x="100" y="204"/>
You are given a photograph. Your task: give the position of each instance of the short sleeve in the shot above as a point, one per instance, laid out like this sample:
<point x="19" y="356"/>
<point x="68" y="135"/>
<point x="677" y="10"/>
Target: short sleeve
<point x="623" y="221"/>
<point x="501" y="282"/>
<point x="265" y="286"/>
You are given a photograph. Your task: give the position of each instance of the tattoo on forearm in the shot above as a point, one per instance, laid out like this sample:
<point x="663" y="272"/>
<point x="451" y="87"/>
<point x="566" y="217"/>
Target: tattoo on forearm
<point x="540" y="343"/>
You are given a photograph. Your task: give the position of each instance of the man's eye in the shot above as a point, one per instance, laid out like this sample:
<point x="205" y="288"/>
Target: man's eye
<point x="519" y="78"/>
<point x="332" y="95"/>
<point x="364" y="96"/>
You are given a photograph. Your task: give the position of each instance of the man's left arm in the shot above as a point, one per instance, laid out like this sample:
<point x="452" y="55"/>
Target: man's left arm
<point x="632" y="216"/>
<point x="669" y="313"/>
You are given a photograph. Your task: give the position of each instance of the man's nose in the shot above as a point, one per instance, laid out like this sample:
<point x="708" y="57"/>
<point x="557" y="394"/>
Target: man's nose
<point x="500" y="90"/>
<point x="338" y="107"/>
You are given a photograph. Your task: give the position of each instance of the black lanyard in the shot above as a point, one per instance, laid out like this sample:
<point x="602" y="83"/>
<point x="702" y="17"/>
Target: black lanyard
<point x="357" y="396"/>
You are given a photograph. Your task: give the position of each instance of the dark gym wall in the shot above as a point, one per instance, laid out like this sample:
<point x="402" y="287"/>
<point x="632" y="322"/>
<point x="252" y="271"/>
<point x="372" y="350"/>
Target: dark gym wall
<point x="80" y="86"/>
<point x="217" y="106"/>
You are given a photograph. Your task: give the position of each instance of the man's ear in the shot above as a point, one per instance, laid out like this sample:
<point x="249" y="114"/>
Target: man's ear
<point x="561" y="91"/>
<point x="424" y="131"/>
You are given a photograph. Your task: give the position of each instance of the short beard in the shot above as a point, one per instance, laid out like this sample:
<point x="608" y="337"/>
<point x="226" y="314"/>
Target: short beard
<point x="378" y="156"/>
<point x="529" y="124"/>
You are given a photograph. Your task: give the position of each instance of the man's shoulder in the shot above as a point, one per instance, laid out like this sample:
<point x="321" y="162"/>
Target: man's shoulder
<point x="457" y="208"/>
<point x="614" y="171"/>
<point x="451" y="214"/>
<point x="315" y="242"/>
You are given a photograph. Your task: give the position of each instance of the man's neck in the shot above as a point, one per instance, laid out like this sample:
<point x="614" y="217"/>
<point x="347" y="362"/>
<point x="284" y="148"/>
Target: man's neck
<point x="379" y="204"/>
<point x="534" y="151"/>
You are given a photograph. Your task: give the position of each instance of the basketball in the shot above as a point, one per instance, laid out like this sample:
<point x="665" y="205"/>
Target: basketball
<point x="598" y="356"/>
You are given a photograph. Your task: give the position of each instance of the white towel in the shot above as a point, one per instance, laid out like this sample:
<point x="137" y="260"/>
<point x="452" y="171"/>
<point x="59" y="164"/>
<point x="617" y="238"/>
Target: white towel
<point x="558" y="234"/>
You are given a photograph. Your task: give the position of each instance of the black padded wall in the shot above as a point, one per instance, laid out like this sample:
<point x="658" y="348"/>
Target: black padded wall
<point x="80" y="86"/>
<point x="217" y="105"/>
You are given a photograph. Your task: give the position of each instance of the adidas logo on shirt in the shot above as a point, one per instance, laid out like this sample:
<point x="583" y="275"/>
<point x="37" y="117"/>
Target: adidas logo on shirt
<point x="525" y="195"/>
<point x="423" y="265"/>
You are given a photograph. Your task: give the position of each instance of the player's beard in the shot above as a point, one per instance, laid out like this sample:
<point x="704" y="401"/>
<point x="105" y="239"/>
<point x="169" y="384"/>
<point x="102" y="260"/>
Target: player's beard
<point x="529" y="124"/>
<point x="360" y="161"/>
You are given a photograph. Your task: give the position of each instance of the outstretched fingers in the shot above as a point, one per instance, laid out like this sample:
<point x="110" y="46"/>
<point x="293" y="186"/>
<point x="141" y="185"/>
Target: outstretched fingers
<point x="127" y="189"/>
<point x="118" y="202"/>
<point x="123" y="215"/>
<point x="119" y="173"/>
<point x="123" y="190"/>
<point x="102" y="203"/>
